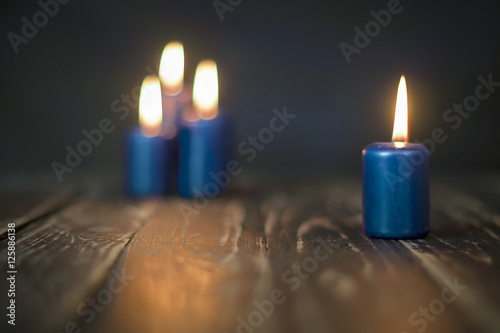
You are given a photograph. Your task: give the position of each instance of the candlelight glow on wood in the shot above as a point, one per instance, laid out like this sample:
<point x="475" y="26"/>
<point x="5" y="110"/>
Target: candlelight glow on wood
<point x="206" y="90"/>
<point x="400" y="131"/>
<point x="150" y="108"/>
<point x="172" y="68"/>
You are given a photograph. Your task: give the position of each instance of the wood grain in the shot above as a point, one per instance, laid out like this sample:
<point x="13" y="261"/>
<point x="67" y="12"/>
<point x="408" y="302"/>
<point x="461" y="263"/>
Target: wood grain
<point x="207" y="275"/>
<point x="464" y="245"/>
<point x="221" y="269"/>
<point x="64" y="258"/>
<point x="27" y="206"/>
<point x="363" y="285"/>
<point x="189" y="276"/>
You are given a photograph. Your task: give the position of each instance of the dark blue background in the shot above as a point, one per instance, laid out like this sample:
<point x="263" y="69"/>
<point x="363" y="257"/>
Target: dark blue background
<point x="269" y="54"/>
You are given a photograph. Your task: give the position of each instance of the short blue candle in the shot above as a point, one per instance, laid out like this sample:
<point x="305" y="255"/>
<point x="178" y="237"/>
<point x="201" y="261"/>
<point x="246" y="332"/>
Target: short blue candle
<point x="149" y="164"/>
<point x="396" y="181"/>
<point x="203" y="155"/>
<point x="149" y="154"/>
<point x="396" y="190"/>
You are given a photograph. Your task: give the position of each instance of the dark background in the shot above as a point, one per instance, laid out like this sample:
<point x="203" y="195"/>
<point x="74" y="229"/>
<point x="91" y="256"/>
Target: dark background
<point x="269" y="54"/>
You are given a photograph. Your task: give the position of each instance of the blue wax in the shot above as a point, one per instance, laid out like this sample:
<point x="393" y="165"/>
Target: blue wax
<point x="396" y="190"/>
<point x="149" y="164"/>
<point x="203" y="156"/>
<point x="171" y="111"/>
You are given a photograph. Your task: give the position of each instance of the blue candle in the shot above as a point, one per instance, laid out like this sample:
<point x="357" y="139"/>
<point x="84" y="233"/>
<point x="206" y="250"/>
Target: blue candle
<point x="396" y="182"/>
<point x="171" y="76"/>
<point x="203" y="155"/>
<point x="149" y="152"/>
<point x="149" y="164"/>
<point x="184" y="100"/>
<point x="203" y="139"/>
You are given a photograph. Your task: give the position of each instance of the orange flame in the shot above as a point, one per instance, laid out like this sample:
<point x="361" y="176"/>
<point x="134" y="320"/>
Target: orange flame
<point x="150" y="109"/>
<point x="172" y="68"/>
<point x="206" y="90"/>
<point x="400" y="131"/>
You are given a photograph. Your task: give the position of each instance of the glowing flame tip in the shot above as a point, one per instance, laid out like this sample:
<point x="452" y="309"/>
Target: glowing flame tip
<point x="172" y="68"/>
<point x="400" y="131"/>
<point x="206" y="90"/>
<point x="150" y="108"/>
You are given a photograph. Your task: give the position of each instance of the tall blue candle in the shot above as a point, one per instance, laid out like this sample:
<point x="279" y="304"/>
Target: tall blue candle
<point x="149" y="152"/>
<point x="396" y="182"/>
<point x="171" y="76"/>
<point x="203" y="139"/>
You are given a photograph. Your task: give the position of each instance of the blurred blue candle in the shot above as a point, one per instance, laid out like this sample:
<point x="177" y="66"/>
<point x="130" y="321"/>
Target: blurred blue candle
<point x="149" y="150"/>
<point x="203" y="139"/>
<point x="396" y="182"/>
<point x="171" y="76"/>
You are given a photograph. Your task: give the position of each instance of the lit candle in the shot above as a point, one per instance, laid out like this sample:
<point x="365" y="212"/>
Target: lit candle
<point x="396" y="181"/>
<point x="203" y="139"/>
<point x="171" y="76"/>
<point x="149" y="168"/>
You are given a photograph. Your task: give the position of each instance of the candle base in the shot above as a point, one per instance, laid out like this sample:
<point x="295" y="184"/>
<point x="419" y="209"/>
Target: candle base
<point x="203" y="155"/>
<point x="392" y="235"/>
<point x="396" y="190"/>
<point x="148" y="164"/>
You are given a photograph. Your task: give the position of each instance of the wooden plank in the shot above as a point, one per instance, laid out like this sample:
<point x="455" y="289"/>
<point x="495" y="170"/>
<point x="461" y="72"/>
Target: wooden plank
<point x="363" y="285"/>
<point x="464" y="245"/>
<point x="207" y="275"/>
<point x="23" y="207"/>
<point x="214" y="272"/>
<point x="189" y="276"/>
<point x="65" y="257"/>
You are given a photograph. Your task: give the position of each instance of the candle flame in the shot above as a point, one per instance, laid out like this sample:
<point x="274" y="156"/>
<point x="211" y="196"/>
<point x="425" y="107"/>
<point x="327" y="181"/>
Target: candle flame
<point x="150" y="109"/>
<point x="172" y="68"/>
<point x="400" y="131"/>
<point x="206" y="90"/>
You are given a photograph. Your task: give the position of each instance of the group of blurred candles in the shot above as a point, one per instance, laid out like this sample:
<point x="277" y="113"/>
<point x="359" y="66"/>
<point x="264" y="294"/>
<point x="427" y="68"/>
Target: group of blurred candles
<point x="181" y="138"/>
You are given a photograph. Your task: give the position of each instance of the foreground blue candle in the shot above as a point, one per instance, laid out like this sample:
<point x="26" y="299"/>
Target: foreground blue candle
<point x="396" y="182"/>
<point x="203" y="139"/>
<point x="149" y="154"/>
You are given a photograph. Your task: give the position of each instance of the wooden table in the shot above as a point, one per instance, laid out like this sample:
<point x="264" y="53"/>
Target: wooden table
<point x="284" y="257"/>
